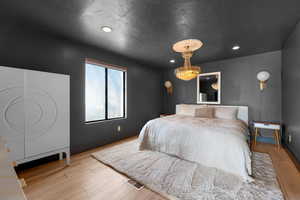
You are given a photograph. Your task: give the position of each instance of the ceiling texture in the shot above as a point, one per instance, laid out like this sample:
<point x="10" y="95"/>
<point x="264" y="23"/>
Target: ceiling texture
<point x="146" y="29"/>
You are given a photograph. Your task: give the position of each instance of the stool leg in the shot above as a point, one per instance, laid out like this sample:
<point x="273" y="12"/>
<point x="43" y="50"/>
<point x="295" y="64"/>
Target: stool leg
<point x="275" y="137"/>
<point x="278" y="138"/>
<point x="256" y="133"/>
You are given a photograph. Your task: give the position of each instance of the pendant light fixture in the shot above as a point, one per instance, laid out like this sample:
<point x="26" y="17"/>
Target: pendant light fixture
<point x="186" y="48"/>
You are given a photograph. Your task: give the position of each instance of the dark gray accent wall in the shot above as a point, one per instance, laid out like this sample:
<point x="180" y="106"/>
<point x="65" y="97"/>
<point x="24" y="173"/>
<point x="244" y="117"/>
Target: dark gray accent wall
<point x="290" y="90"/>
<point x="38" y="51"/>
<point x="239" y="85"/>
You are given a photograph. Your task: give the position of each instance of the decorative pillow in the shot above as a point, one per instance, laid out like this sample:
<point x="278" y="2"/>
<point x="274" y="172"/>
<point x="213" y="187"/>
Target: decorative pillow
<point x="188" y="110"/>
<point x="226" y="113"/>
<point x="205" y="112"/>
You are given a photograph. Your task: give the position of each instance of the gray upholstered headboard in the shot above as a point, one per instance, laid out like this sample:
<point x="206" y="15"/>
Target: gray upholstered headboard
<point x="241" y="115"/>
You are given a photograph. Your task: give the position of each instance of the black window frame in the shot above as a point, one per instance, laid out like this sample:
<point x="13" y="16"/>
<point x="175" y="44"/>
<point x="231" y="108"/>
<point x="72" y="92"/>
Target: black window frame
<point x="106" y="67"/>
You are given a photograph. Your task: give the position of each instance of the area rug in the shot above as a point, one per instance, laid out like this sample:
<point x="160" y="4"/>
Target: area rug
<point x="175" y="178"/>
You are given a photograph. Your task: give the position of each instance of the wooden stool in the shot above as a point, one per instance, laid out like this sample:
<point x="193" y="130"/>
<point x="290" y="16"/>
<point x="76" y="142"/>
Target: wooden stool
<point x="268" y="125"/>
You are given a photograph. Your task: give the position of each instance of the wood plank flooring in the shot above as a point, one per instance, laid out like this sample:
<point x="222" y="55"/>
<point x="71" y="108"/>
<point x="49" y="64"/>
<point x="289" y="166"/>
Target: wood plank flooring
<point x="88" y="179"/>
<point x="288" y="175"/>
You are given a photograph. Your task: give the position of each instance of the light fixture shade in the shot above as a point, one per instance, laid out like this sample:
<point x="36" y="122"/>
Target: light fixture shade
<point x="168" y="84"/>
<point x="215" y="86"/>
<point x="263" y="76"/>
<point x="187" y="74"/>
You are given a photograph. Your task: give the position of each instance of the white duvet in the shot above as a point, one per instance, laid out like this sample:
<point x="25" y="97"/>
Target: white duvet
<point x="217" y="143"/>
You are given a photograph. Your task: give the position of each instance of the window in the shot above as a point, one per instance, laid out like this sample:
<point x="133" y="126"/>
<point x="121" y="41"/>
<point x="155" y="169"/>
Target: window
<point x="104" y="91"/>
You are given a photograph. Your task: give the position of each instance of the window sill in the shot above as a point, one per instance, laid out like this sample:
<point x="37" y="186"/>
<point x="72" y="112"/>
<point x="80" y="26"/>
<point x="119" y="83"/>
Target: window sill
<point x="104" y="120"/>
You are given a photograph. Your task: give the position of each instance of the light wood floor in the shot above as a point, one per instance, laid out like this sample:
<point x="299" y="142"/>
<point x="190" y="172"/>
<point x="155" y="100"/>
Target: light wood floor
<point x="88" y="179"/>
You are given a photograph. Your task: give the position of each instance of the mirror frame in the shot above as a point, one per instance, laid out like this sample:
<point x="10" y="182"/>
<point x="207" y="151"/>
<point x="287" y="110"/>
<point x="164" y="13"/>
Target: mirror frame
<point x="219" y="85"/>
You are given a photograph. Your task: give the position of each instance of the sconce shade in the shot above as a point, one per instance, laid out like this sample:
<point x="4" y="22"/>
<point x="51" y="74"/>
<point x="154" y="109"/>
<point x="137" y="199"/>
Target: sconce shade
<point x="263" y="76"/>
<point x="168" y="84"/>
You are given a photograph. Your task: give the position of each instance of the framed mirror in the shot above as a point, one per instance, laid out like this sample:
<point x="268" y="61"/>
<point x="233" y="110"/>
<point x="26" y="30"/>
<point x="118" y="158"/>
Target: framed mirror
<point x="209" y="88"/>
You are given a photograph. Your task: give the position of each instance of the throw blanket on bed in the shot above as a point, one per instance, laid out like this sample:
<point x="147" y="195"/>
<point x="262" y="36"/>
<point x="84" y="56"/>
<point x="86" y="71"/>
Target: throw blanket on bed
<point x="217" y="143"/>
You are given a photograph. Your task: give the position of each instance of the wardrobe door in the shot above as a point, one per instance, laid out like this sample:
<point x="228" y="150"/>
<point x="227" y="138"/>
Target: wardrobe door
<point x="47" y="112"/>
<point x="12" y="110"/>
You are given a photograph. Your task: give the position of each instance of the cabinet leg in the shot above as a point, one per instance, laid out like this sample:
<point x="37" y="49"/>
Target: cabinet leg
<point x="61" y="156"/>
<point x="68" y="160"/>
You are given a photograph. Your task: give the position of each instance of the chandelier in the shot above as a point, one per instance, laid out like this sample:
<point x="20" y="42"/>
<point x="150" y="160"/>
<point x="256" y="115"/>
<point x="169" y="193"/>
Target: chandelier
<point x="186" y="48"/>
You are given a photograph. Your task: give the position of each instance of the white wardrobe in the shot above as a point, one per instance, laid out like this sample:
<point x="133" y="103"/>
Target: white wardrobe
<point x="34" y="113"/>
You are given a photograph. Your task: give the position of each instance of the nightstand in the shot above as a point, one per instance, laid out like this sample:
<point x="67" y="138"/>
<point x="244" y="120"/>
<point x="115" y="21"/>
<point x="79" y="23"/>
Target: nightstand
<point x="268" y="125"/>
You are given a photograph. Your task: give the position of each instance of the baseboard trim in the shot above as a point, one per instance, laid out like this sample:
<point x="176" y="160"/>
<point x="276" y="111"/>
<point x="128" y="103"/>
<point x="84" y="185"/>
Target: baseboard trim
<point x="293" y="157"/>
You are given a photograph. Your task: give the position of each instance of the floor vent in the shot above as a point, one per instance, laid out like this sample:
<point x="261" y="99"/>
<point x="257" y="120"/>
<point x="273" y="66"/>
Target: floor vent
<point x="137" y="185"/>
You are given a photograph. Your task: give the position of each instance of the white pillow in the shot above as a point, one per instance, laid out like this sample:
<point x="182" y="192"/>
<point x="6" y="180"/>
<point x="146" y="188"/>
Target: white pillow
<point x="226" y="113"/>
<point x="205" y="112"/>
<point x="188" y="110"/>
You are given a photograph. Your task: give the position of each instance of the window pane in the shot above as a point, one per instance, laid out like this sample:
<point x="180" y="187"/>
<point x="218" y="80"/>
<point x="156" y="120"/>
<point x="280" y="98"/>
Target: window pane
<point x="115" y="92"/>
<point x="94" y="92"/>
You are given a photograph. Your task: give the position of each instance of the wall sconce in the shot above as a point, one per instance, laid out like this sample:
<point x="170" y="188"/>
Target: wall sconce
<point x="263" y="77"/>
<point x="168" y="85"/>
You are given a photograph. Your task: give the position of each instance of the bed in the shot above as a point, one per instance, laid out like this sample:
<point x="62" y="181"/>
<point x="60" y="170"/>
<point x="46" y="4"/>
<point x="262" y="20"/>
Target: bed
<point x="212" y="142"/>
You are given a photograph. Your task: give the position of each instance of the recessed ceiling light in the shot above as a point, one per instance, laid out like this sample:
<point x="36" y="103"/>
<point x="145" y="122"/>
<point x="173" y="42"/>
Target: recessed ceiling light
<point x="172" y="61"/>
<point x="106" y="29"/>
<point x="236" y="47"/>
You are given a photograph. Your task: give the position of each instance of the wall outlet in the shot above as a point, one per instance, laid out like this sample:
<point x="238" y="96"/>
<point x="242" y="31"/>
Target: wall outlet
<point x="119" y="128"/>
<point x="290" y="138"/>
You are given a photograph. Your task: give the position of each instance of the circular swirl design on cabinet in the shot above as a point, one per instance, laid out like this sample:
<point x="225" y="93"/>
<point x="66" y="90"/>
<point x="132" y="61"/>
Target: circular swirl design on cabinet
<point x="35" y="112"/>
